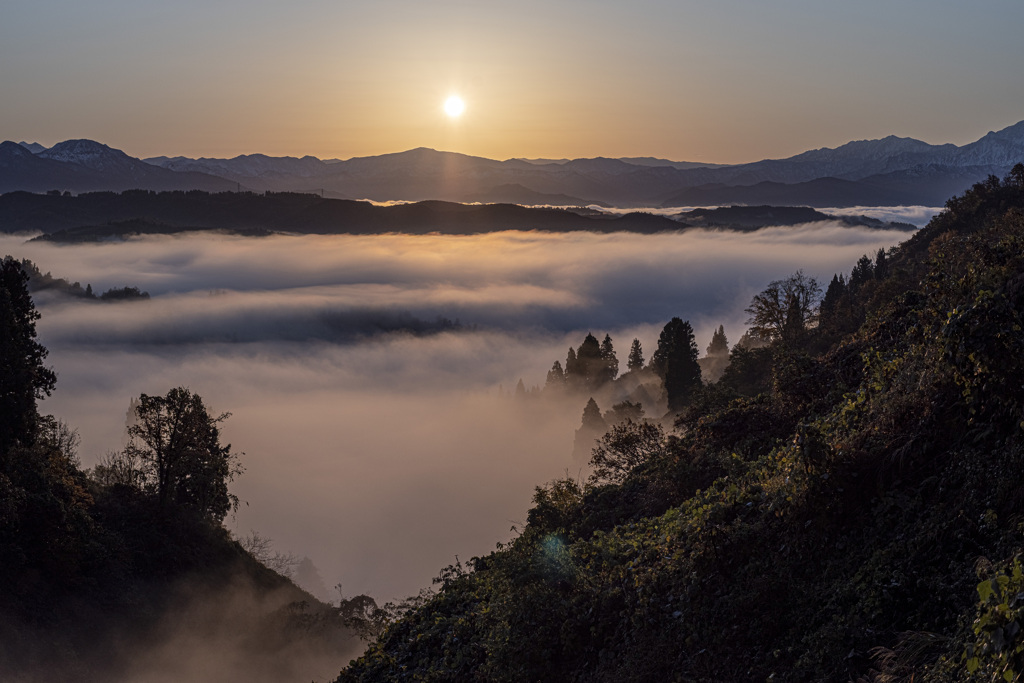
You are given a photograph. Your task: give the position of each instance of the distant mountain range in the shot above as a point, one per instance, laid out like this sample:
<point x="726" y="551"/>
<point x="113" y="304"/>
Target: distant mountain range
<point x="87" y="166"/>
<point x="887" y="172"/>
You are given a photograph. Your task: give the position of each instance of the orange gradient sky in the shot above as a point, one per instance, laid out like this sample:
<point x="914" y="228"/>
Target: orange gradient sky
<point x="717" y="81"/>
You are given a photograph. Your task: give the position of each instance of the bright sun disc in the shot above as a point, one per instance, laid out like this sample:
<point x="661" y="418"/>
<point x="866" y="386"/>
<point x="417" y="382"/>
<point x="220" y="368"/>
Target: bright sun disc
<point x="454" y="106"/>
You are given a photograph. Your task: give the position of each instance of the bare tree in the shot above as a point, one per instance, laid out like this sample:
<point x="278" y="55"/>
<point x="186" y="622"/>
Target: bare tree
<point x="262" y="550"/>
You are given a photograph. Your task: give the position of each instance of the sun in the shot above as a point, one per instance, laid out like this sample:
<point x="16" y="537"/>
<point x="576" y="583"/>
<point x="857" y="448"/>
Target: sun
<point x="454" y="106"/>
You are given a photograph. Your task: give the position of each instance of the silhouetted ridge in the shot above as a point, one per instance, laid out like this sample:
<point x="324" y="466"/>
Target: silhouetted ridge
<point x="105" y="214"/>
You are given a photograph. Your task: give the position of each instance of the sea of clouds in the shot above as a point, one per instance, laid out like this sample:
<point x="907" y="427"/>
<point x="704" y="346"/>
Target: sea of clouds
<point x="380" y="440"/>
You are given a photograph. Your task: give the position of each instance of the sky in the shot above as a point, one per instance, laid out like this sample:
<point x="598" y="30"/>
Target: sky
<point x="723" y="81"/>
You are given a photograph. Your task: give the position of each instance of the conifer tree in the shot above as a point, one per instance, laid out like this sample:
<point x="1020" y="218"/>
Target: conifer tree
<point x="556" y="378"/>
<point x="675" y="361"/>
<point x="881" y="265"/>
<point x="592" y="428"/>
<point x="573" y="376"/>
<point x="719" y="345"/>
<point x="590" y="362"/>
<point x="611" y="364"/>
<point x="862" y="272"/>
<point x="23" y="379"/>
<point x="835" y="295"/>
<point x="636" y="357"/>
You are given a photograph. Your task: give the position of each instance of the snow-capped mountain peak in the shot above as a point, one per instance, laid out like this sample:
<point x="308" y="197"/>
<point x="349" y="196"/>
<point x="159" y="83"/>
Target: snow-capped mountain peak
<point x="88" y="153"/>
<point x="33" y="147"/>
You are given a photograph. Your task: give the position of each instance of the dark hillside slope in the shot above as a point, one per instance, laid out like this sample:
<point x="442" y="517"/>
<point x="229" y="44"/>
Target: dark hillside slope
<point x="853" y="507"/>
<point x="100" y="215"/>
<point x="114" y="575"/>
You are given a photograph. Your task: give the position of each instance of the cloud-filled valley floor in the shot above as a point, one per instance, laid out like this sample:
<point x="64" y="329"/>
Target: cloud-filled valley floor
<point x="376" y="440"/>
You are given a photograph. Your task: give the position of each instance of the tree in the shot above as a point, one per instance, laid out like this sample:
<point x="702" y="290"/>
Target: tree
<point x="626" y="446"/>
<point x="23" y="378"/>
<point x="125" y="293"/>
<point x="636" y="357"/>
<point x="556" y="378"/>
<point x="262" y="550"/>
<point x="863" y="271"/>
<point x="713" y="365"/>
<point x="719" y="345"/>
<point x="610" y="368"/>
<point x="176" y="443"/>
<point x="833" y="296"/>
<point x="881" y="265"/>
<point x="591" y="429"/>
<point x="785" y="307"/>
<point x="573" y="374"/>
<point x="591" y="363"/>
<point x="624" y="410"/>
<point x="675" y="361"/>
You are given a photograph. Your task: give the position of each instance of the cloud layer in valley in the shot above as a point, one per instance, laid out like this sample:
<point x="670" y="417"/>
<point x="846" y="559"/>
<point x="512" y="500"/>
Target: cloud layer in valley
<point x="376" y="439"/>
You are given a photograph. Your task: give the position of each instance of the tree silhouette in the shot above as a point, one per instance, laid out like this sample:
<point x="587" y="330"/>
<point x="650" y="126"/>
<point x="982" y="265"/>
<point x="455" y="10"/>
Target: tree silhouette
<point x="719" y="345"/>
<point x="675" y="361"/>
<point x="23" y="379"/>
<point x="862" y="272"/>
<point x="573" y="373"/>
<point x="636" y="357"/>
<point x="520" y="389"/>
<point x="592" y="427"/>
<point x="610" y="368"/>
<point x="785" y="307"/>
<point x="881" y="265"/>
<point x="556" y="378"/>
<point x="176" y="442"/>
<point x="713" y="365"/>
<point x="625" y="447"/>
<point x="591" y="363"/>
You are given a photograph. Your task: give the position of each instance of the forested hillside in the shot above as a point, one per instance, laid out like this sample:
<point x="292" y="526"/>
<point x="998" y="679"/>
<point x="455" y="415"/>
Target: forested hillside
<point x="845" y="503"/>
<point x="125" y="571"/>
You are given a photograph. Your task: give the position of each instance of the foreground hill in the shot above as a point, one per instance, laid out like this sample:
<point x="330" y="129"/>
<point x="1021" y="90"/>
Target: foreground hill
<point x="825" y="512"/>
<point x="125" y="572"/>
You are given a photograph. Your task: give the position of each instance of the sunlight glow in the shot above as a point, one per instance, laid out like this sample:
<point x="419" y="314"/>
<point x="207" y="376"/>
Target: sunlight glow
<point x="454" y="106"/>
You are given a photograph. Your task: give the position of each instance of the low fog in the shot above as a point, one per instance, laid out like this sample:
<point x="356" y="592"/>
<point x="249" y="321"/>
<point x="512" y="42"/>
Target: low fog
<point x="228" y="630"/>
<point x="381" y="439"/>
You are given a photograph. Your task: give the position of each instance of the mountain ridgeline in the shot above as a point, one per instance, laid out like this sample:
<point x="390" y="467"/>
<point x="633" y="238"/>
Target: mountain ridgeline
<point x="844" y="503"/>
<point x="890" y="171"/>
